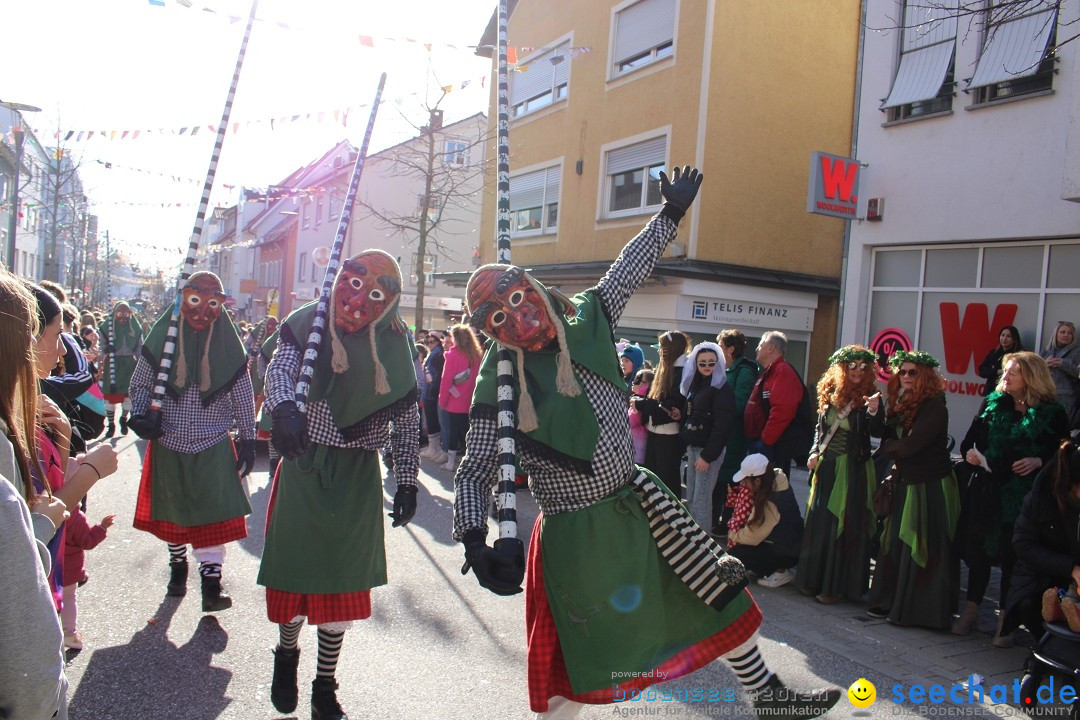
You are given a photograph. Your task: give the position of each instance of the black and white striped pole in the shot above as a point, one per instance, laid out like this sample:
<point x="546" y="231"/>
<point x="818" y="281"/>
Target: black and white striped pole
<point x="106" y="340"/>
<point x="318" y="325"/>
<point x="506" y="497"/>
<point x="168" y="353"/>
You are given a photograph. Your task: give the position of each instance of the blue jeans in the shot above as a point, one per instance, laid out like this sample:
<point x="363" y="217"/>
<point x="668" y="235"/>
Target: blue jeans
<point x="699" y="487"/>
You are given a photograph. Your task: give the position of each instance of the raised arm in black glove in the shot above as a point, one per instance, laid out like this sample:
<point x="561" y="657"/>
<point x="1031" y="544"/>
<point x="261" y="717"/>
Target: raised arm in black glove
<point x="148" y="427"/>
<point x="245" y="457"/>
<point x="679" y="192"/>
<point x="500" y="569"/>
<point x="289" y="434"/>
<point x="404" y="505"/>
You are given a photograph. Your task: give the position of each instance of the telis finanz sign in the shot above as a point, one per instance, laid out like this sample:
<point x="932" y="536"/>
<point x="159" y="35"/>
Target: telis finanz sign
<point x="834" y="186"/>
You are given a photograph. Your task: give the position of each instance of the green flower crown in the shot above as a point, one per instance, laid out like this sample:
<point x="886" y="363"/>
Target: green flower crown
<point x="852" y="353"/>
<point x="915" y="356"/>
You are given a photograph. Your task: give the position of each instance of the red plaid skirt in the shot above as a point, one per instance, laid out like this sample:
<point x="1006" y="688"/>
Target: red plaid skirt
<point x="198" y="536"/>
<point x="282" y="606"/>
<point x="547" y="669"/>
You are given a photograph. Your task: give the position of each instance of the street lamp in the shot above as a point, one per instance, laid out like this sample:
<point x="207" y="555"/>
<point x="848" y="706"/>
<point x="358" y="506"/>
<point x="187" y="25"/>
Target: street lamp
<point x="13" y="207"/>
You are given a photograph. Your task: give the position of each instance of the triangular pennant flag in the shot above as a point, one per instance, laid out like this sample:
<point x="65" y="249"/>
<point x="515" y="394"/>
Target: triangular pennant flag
<point x="447" y="88"/>
<point x="511" y="55"/>
<point x="195" y="130"/>
<point x="337" y="116"/>
<point x="124" y="136"/>
<point x="135" y="134"/>
<point x="367" y="41"/>
<point x="69" y="134"/>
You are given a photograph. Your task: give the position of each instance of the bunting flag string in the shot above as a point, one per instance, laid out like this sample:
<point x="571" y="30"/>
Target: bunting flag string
<point x="174" y="178"/>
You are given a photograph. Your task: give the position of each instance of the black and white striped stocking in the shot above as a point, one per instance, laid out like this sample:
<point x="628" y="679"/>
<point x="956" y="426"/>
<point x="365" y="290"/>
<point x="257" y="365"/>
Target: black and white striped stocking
<point x="177" y="553"/>
<point x="289" y="634"/>
<point x="210" y="569"/>
<point x="749" y="667"/>
<point x="329" y="650"/>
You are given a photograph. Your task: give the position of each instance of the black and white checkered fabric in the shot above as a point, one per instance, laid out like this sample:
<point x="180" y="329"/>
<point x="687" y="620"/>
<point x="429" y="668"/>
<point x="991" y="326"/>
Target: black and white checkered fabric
<point x="556" y="485"/>
<point x="187" y="425"/>
<point x="402" y="430"/>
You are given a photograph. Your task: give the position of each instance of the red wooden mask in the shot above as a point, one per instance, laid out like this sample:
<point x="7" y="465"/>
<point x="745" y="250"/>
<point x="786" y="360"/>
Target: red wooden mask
<point x="203" y="300"/>
<point x="366" y="285"/>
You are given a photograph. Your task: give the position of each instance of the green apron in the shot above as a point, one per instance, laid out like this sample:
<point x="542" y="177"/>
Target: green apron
<point x="325" y="532"/>
<point x="192" y="489"/>
<point x="624" y="610"/>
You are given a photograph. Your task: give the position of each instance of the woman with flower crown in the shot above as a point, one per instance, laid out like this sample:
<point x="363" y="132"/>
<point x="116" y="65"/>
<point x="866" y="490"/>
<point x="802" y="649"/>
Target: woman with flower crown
<point x="835" y="558"/>
<point x="916" y="578"/>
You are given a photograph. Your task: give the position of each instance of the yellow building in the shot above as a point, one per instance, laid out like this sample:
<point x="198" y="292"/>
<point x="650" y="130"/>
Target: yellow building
<point x="606" y="93"/>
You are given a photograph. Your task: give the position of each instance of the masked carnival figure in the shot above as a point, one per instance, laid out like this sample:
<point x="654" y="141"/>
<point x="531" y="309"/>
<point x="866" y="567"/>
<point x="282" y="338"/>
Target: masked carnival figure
<point x="621" y="607"/>
<point x="123" y="339"/>
<point x="324" y="547"/>
<point x="191" y="491"/>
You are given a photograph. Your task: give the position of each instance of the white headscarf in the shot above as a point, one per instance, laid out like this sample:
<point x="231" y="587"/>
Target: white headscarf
<point x="719" y="376"/>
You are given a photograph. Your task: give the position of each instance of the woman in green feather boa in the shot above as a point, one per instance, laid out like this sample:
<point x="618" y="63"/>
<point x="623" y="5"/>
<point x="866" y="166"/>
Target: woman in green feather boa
<point x="1012" y="436"/>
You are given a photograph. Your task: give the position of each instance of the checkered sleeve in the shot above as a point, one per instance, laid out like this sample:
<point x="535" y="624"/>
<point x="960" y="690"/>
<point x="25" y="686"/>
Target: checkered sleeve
<point x="281" y="374"/>
<point x="243" y="400"/>
<point x="139" y="388"/>
<point x="633" y="265"/>
<point x="405" y="441"/>
<point x="477" y="473"/>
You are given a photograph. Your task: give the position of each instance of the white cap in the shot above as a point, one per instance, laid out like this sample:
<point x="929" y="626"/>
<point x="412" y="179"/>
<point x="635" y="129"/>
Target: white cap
<point x="752" y="466"/>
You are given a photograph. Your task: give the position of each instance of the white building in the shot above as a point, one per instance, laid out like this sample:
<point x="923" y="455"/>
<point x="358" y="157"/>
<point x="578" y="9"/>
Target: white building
<point x="969" y="134"/>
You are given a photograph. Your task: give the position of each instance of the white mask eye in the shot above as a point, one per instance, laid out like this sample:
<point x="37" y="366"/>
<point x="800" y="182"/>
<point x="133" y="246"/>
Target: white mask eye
<point x="194" y="300"/>
<point x="213" y="304"/>
<point x="356" y="283"/>
<point x="516" y="298"/>
<point x="497" y="318"/>
<point x="377" y="295"/>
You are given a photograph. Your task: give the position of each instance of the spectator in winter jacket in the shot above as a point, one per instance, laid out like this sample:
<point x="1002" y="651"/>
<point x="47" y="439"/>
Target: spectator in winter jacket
<point x="640" y="387"/>
<point x="631" y="359"/>
<point x="773" y="403"/>
<point x="709" y="419"/>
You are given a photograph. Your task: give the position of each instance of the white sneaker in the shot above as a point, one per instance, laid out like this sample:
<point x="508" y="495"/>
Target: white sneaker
<point x="73" y="641"/>
<point x="777" y="579"/>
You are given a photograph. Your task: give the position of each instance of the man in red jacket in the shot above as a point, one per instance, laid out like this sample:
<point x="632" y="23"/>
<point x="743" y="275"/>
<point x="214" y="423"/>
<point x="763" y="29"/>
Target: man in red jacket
<point x="773" y="403"/>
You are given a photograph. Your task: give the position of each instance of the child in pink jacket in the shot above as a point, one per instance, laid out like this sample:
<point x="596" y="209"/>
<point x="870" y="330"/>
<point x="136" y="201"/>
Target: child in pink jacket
<point x="80" y="537"/>
<point x="640" y="387"/>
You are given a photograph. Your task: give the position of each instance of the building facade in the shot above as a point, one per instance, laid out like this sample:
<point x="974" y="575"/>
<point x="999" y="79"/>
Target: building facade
<point x="606" y="94"/>
<point x="972" y="163"/>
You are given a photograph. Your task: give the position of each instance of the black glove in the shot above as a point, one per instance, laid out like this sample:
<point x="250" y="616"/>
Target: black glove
<point x="679" y="192"/>
<point x="404" y="505"/>
<point x="289" y="433"/>
<point x="500" y="569"/>
<point x="245" y="457"/>
<point x="148" y="427"/>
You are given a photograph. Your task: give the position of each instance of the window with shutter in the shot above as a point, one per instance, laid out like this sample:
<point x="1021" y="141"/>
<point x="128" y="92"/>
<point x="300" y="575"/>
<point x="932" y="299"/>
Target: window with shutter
<point x="644" y="33"/>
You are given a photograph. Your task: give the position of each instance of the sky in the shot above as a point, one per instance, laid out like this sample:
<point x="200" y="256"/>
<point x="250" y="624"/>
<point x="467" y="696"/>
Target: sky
<point x="126" y="65"/>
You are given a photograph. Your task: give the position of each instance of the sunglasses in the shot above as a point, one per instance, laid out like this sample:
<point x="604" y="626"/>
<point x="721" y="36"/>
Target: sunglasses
<point x="707" y="364"/>
<point x="855" y="365"/>
<point x="908" y="373"/>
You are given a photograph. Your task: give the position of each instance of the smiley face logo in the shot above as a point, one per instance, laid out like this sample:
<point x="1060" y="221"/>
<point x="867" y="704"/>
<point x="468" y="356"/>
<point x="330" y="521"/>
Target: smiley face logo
<point x="862" y="693"/>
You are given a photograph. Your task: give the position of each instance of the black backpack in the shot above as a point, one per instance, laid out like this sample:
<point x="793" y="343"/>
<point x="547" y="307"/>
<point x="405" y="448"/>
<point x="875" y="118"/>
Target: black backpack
<point x="799" y="435"/>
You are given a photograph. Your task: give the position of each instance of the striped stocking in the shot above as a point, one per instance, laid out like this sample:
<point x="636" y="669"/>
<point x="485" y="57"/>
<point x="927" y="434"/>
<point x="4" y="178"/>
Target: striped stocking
<point x="177" y="553"/>
<point x="210" y="569"/>
<point x="748" y="666"/>
<point x="329" y="651"/>
<point x="289" y="634"/>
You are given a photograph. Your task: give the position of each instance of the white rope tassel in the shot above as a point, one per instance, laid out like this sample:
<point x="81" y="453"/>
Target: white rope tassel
<point x="181" y="365"/>
<point x="526" y="414"/>
<point x="204" y="368"/>
<point x="339" y="360"/>
<point x="382" y="384"/>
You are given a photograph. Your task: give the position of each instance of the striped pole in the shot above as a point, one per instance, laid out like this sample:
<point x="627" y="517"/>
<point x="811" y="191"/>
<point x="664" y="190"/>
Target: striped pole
<point x="318" y="325"/>
<point x="112" y="320"/>
<point x="506" y="497"/>
<point x="169" y="351"/>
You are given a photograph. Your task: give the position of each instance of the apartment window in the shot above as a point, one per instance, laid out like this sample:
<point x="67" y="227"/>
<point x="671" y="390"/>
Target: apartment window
<point x="305" y="212"/>
<point x="316" y="272"/>
<point x="925" y="75"/>
<point x="456" y="154"/>
<point x="540" y="82"/>
<point x="335" y="203"/>
<point x="633" y="176"/>
<point x="644" y="33"/>
<point x="301" y="267"/>
<point x="1015" y="60"/>
<point x="318" y="208"/>
<point x="534" y="202"/>
<point x="433" y="206"/>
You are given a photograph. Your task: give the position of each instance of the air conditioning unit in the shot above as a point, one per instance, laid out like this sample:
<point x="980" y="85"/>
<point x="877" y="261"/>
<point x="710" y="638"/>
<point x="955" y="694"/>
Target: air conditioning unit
<point x="875" y="209"/>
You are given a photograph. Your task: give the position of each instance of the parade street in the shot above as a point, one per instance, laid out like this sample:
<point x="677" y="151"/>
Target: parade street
<point x="438" y="645"/>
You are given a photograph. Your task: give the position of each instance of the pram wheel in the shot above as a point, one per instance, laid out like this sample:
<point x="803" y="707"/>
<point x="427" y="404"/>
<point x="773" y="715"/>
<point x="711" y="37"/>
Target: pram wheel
<point x="1074" y="710"/>
<point x="1029" y="686"/>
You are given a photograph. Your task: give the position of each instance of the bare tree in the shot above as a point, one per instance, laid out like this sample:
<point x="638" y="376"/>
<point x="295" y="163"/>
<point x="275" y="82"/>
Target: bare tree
<point x="61" y="207"/>
<point x="449" y="180"/>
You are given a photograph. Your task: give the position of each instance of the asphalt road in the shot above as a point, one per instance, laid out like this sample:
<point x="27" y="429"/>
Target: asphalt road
<point x="437" y="645"/>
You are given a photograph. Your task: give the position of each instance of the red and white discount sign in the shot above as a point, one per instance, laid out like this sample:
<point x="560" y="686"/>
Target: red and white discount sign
<point x="321" y="256"/>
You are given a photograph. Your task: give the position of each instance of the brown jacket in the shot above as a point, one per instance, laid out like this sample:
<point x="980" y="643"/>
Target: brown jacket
<point x="923" y="454"/>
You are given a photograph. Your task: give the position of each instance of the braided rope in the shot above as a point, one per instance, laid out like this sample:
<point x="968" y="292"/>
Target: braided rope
<point x="318" y="325"/>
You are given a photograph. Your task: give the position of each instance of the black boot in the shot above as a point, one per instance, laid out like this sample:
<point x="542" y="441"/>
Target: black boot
<point x="177" y="586"/>
<point x="775" y="700"/>
<point x="110" y="429"/>
<point x="212" y="597"/>
<point x="283" y="692"/>
<point x="324" y="704"/>
<point x="123" y="424"/>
